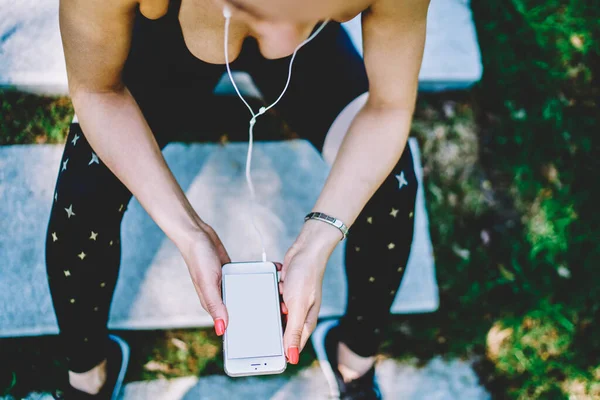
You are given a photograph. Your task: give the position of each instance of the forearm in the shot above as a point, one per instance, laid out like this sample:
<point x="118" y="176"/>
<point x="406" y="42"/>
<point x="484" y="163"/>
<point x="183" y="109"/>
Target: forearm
<point x="371" y="148"/>
<point x="119" y="134"/>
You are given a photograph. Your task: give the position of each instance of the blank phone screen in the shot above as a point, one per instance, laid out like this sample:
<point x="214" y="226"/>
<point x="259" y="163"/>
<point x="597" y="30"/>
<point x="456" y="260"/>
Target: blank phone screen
<point x="254" y="324"/>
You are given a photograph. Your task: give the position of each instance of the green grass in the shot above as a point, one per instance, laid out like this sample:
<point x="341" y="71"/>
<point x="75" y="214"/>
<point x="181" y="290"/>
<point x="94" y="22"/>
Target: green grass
<point x="528" y="298"/>
<point x="511" y="171"/>
<point x="26" y="118"/>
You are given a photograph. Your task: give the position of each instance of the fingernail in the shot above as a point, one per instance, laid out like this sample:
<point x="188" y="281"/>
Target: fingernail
<point x="219" y="326"/>
<point x="293" y="354"/>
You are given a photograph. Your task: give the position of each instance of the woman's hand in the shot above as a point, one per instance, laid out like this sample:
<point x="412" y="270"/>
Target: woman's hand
<point x="205" y="255"/>
<point x="302" y="282"/>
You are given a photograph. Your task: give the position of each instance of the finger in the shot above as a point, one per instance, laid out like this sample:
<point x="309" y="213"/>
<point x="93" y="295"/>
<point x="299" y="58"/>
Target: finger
<point x="222" y="253"/>
<point x="293" y="333"/>
<point x="278" y="265"/>
<point x="309" y="326"/>
<point x="213" y="304"/>
<point x="283" y="321"/>
<point x="286" y="263"/>
<point x="280" y="287"/>
<point x="284" y="309"/>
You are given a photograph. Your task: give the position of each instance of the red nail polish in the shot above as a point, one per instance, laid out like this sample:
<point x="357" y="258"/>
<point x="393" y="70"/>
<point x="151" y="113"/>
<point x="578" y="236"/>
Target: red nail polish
<point x="293" y="354"/>
<point x="219" y="326"/>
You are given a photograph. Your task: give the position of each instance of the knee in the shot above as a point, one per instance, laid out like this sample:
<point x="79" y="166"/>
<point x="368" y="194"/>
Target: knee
<point x="339" y="128"/>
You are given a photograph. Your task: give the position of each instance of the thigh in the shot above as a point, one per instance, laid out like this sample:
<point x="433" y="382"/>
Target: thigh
<point x="328" y="74"/>
<point x="86" y="189"/>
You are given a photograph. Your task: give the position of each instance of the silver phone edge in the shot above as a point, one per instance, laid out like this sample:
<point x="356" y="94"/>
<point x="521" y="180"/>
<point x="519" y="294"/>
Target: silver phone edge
<point x="271" y="372"/>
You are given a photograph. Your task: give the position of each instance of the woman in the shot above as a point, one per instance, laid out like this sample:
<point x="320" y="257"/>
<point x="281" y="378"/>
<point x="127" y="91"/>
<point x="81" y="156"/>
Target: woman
<point x="142" y="70"/>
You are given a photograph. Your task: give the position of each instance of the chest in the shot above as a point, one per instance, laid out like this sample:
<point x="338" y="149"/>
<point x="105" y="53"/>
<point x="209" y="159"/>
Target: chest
<point x="203" y="28"/>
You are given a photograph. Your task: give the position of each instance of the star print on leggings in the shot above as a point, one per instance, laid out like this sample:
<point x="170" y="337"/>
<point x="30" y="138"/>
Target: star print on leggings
<point x="75" y="139"/>
<point x="401" y="180"/>
<point x="94" y="159"/>
<point x="70" y="211"/>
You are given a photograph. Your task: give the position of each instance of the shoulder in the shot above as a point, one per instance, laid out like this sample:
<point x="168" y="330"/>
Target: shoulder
<point x="393" y="42"/>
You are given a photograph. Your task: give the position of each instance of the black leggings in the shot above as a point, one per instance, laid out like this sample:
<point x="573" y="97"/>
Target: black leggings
<point x="171" y="86"/>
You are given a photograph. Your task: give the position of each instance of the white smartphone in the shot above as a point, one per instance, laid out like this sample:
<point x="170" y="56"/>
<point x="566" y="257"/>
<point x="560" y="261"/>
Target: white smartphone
<point x="253" y="340"/>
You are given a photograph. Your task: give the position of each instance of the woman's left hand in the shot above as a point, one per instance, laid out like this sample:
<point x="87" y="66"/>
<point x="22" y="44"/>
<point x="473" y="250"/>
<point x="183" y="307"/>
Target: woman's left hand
<point x="302" y="282"/>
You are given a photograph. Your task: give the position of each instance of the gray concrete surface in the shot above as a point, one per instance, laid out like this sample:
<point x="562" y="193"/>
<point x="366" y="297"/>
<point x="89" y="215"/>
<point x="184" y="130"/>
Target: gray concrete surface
<point x="31" y="56"/>
<point x="438" y="380"/>
<point x="154" y="290"/>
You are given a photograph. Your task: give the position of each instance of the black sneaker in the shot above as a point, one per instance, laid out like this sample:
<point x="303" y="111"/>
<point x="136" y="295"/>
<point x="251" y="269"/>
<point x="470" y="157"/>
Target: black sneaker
<point x="325" y="342"/>
<point x="117" y="361"/>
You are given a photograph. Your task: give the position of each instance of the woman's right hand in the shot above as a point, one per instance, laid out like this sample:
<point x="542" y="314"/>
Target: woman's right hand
<point x="205" y="255"/>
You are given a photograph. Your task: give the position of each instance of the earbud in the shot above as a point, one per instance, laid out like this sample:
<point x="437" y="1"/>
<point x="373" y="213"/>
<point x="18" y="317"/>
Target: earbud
<point x="226" y="12"/>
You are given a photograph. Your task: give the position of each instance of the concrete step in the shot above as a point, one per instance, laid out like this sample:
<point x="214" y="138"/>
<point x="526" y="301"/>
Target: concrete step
<point x="32" y="56"/>
<point x="288" y="177"/>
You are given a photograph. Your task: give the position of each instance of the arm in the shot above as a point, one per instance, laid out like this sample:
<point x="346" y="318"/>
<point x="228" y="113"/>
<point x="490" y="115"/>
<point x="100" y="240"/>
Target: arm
<point x="394" y="37"/>
<point x="96" y="37"/>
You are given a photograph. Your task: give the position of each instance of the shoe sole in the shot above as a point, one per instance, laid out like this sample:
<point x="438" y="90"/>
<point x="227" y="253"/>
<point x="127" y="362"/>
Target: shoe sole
<point x="124" y="363"/>
<point x="318" y="342"/>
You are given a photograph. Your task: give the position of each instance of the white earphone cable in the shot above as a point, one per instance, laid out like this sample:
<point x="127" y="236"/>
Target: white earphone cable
<point x="262" y="110"/>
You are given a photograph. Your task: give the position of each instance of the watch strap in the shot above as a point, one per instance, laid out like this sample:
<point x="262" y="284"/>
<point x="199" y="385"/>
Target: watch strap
<point x="330" y="220"/>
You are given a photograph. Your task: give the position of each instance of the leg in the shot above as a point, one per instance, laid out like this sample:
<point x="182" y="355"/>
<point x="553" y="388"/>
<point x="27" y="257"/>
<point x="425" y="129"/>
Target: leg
<point x="83" y="250"/>
<point x="330" y="77"/>
<point x="391" y="210"/>
<point x="377" y="251"/>
<point x="83" y="236"/>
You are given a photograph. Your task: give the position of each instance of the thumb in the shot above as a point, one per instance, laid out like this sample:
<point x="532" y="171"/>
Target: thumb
<point x="219" y="247"/>
<point x="293" y="332"/>
<point x="213" y="304"/>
